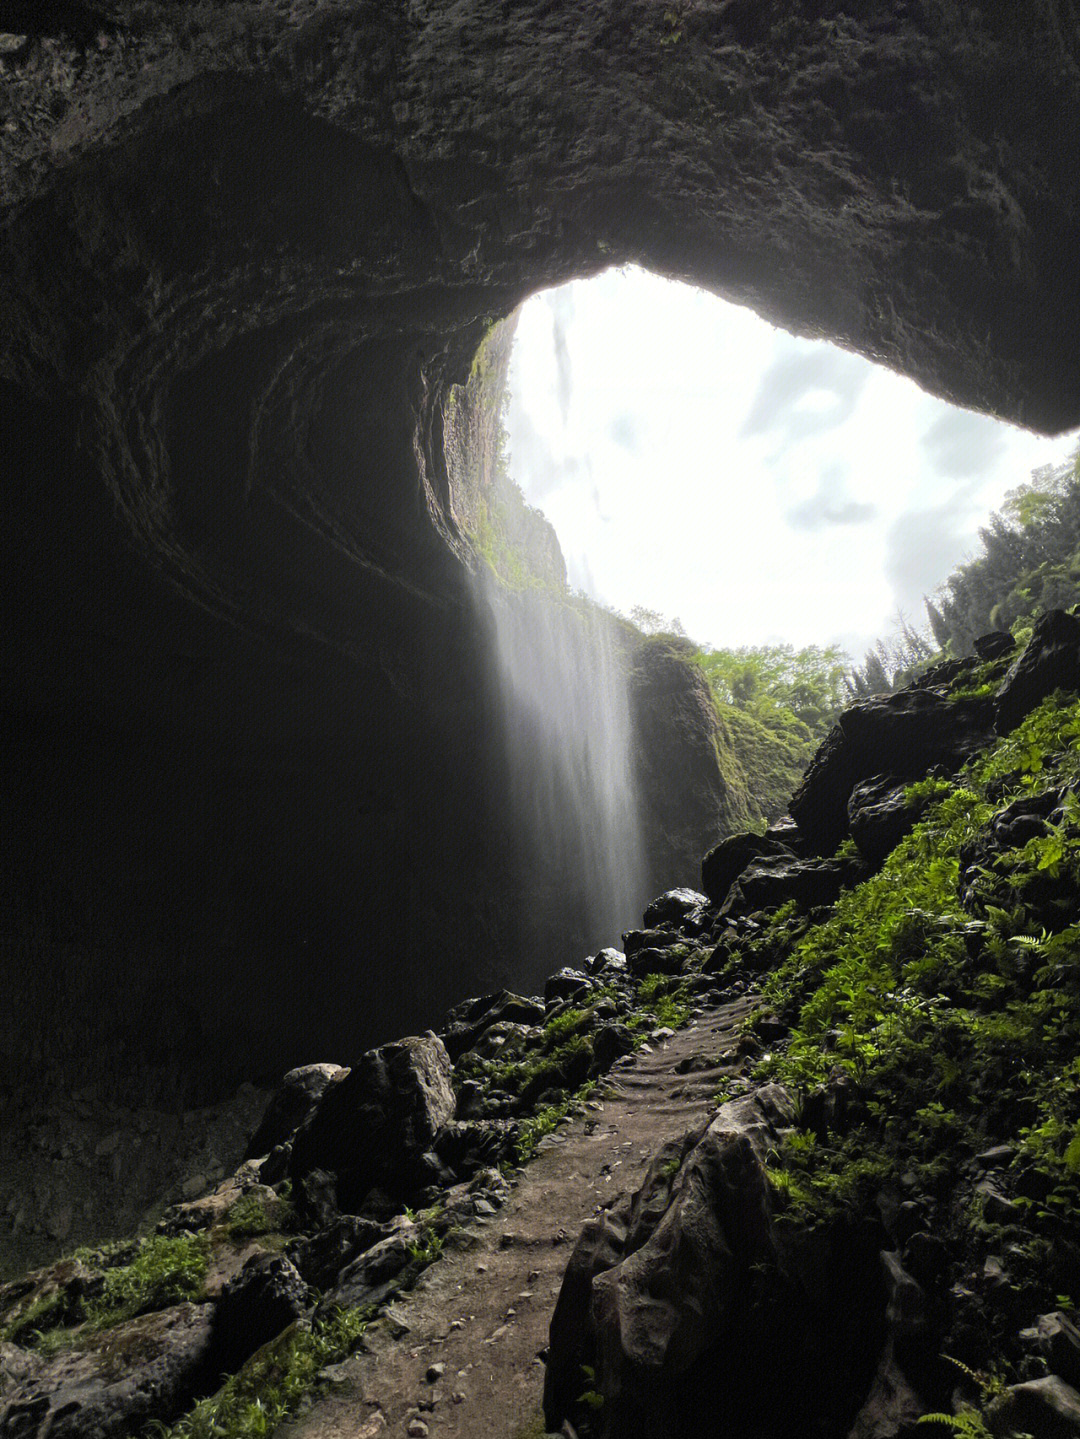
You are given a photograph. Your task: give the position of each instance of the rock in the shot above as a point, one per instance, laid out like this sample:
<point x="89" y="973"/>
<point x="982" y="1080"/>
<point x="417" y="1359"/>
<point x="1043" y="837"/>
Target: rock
<point x="1050" y="661"/>
<point x="672" y="959"/>
<point x="1045" y="1408"/>
<point x="610" y="1043"/>
<point x="903" y="734"/>
<point x="370" y="1278"/>
<point x="321" y="1258"/>
<point x="675" y="906"/>
<point x="993" y="646"/>
<point x="1057" y="1339"/>
<point x="118" y="1381"/>
<point x="771" y="881"/>
<point x="724" y="863"/>
<point x="879" y="816"/>
<point x="294" y="1102"/>
<point x="371" y="1126"/>
<point x="906" y="1314"/>
<point x="609" y="963"/>
<point x="996" y="1207"/>
<point x="472" y="1144"/>
<point x="893" y="1406"/>
<point x="564" y="984"/>
<point x="476" y="1016"/>
<point x="265" y="1297"/>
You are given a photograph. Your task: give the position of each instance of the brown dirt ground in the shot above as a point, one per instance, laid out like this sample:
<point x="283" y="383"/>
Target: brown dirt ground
<point x="483" y="1309"/>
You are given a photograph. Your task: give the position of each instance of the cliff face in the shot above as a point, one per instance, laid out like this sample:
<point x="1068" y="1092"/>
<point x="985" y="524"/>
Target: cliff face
<point x="245" y="252"/>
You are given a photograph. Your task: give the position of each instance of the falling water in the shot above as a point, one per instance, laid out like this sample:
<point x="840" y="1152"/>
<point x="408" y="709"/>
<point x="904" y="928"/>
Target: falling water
<point x="569" y="759"/>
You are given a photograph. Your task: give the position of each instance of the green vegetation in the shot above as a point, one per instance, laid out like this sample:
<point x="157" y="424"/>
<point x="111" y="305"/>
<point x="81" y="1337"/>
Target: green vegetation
<point x="953" y="1028"/>
<point x="1030" y="563"/>
<point x="269" y="1387"/>
<point x="253" y="1215"/>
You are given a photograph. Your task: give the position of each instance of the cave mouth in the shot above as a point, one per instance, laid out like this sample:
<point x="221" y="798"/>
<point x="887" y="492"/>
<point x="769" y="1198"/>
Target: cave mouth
<point x="702" y="466"/>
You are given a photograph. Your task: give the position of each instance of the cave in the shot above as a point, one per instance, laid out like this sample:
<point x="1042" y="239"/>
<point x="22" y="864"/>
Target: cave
<point x="255" y="812"/>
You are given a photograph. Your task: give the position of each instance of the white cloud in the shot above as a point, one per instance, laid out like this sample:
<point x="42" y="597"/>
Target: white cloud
<point x="700" y="462"/>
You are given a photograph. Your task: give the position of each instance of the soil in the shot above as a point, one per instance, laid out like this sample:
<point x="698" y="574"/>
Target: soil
<point x="483" y="1310"/>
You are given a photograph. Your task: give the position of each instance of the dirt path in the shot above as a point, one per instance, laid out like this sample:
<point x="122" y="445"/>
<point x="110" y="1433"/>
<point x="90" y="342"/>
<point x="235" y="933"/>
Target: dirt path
<point x="482" y="1312"/>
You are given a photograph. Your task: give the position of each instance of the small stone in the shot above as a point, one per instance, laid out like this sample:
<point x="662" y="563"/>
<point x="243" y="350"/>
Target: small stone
<point x="109" y="1145"/>
<point x="417" y="1429"/>
<point x="457" y="1397"/>
<point x="435" y="1372"/>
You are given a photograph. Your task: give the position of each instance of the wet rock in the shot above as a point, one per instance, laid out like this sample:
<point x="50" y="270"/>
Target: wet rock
<point x="610" y="963"/>
<point x="370" y="1278"/>
<point x="294" y="1102"/>
<point x="371" y="1127"/>
<point x="903" y="733"/>
<point x="468" y="1021"/>
<point x="993" y="646"/>
<point x="565" y="984"/>
<point x="724" y="863"/>
<point x="879" y="816"/>
<point x="118" y="1380"/>
<point x="771" y="881"/>
<point x="673" y="959"/>
<point x="676" y="906"/>
<point x="265" y="1297"/>
<point x="1050" y="661"/>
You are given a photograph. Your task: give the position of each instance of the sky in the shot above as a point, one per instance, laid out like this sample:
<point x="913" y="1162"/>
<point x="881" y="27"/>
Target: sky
<point x="760" y="488"/>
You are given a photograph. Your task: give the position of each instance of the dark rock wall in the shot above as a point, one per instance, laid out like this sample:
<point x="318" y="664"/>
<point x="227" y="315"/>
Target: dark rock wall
<point x="244" y="252"/>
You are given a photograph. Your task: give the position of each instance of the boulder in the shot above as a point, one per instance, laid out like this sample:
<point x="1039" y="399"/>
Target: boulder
<point x="321" y="1258"/>
<point x="670" y="960"/>
<point x="371" y="1277"/>
<point x="610" y="963"/>
<point x="564" y="984"/>
<point x="118" y="1380"/>
<point x="879" y="816"/>
<point x="294" y="1102"/>
<point x="771" y="881"/>
<point x="676" y="906"/>
<point x="1046" y="1408"/>
<point x="684" y="1328"/>
<point x="371" y="1127"/>
<point x="265" y="1297"/>
<point x="903" y="734"/>
<point x="724" y="863"/>
<point x="610" y="1043"/>
<point x="1050" y="661"/>
<point x="1057" y="1339"/>
<point x="468" y="1021"/>
<point x="993" y="646"/>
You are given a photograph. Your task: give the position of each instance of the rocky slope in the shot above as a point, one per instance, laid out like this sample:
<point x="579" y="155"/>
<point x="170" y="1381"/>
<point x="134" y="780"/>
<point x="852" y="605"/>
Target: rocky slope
<point x="246" y="251"/>
<point x="876" y="1197"/>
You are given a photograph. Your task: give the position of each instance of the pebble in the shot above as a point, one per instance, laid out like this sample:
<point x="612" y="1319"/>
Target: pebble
<point x="417" y="1429"/>
<point x="435" y="1372"/>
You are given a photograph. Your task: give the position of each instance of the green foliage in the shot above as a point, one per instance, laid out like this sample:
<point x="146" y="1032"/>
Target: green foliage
<point x="251" y="1215"/>
<point x="1030" y="563"/>
<point x="252" y="1403"/>
<point x="164" y="1272"/>
<point x="941" y="1020"/>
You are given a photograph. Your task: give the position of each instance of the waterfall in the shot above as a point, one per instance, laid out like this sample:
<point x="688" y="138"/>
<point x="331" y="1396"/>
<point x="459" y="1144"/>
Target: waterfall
<point x="570" y="773"/>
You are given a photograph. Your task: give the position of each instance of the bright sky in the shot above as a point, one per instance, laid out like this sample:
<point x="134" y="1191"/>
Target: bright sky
<point x="695" y="460"/>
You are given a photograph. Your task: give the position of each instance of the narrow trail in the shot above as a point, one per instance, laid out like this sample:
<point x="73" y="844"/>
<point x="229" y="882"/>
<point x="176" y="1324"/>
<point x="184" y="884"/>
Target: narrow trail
<point x="482" y="1311"/>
